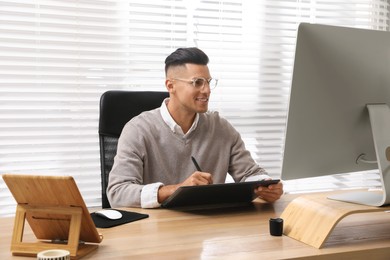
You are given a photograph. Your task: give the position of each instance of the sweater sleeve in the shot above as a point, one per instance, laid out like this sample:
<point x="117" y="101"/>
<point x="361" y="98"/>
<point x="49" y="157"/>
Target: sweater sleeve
<point x="242" y="165"/>
<point x="125" y="179"/>
<point x="126" y="186"/>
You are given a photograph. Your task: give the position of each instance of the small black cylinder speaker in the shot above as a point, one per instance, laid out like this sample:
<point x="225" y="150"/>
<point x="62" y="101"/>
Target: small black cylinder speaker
<point x="276" y="226"/>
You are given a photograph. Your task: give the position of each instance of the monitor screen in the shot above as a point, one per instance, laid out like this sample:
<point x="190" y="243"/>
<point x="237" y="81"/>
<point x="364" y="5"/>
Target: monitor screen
<point x="339" y="101"/>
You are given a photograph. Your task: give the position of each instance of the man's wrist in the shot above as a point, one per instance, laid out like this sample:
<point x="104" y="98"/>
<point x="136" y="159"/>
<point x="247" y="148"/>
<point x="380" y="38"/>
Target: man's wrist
<point x="165" y="191"/>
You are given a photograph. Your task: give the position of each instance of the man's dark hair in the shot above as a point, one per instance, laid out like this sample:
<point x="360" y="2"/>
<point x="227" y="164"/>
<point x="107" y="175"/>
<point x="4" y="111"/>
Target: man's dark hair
<point x="182" y="56"/>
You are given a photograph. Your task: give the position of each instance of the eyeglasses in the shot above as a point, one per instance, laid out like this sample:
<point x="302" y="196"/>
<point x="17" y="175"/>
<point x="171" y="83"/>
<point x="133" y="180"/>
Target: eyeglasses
<point x="199" y="83"/>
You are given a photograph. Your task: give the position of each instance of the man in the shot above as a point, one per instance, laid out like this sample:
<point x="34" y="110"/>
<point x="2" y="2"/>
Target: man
<point x="155" y="148"/>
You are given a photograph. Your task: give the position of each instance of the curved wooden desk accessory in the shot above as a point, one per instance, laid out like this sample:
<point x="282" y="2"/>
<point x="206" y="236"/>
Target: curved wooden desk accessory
<point x="311" y="218"/>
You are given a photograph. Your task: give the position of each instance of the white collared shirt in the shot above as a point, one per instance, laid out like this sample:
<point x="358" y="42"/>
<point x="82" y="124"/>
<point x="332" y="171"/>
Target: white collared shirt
<point x="171" y="122"/>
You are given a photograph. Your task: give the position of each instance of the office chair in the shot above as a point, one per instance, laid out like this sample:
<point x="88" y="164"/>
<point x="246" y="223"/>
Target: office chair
<point x="117" y="107"/>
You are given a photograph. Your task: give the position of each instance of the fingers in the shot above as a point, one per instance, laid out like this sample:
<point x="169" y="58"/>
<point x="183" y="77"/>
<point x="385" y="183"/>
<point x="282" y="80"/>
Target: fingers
<point x="270" y="193"/>
<point x="204" y="178"/>
<point x="199" y="178"/>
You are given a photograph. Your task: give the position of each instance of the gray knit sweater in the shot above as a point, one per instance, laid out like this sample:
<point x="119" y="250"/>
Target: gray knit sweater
<point x="149" y="152"/>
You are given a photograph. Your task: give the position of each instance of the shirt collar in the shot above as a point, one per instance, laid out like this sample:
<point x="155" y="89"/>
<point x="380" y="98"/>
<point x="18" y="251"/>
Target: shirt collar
<point x="171" y="123"/>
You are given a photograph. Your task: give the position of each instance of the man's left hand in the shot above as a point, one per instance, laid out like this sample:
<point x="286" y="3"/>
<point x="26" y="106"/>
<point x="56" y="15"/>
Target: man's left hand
<point x="271" y="193"/>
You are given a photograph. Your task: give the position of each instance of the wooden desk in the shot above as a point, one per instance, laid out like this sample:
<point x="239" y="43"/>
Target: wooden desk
<point x="240" y="233"/>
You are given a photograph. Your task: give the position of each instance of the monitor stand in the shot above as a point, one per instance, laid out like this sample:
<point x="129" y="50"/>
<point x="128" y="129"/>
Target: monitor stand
<point x="380" y="125"/>
<point x="311" y="219"/>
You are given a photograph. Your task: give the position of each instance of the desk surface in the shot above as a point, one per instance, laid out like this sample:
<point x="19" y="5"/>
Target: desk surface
<point x="235" y="233"/>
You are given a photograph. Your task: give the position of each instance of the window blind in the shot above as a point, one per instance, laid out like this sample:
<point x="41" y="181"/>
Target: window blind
<point x="57" y="57"/>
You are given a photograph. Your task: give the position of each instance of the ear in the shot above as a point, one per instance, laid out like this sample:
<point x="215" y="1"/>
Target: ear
<point x="169" y="85"/>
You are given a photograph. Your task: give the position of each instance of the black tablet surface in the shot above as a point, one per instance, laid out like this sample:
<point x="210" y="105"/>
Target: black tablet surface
<point x="215" y="195"/>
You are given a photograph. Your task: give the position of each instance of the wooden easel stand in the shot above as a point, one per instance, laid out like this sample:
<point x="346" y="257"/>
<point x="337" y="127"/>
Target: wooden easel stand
<point x="77" y="250"/>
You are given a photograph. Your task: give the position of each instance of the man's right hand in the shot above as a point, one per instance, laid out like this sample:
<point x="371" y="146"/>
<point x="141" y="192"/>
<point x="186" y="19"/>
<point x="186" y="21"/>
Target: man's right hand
<point x="197" y="178"/>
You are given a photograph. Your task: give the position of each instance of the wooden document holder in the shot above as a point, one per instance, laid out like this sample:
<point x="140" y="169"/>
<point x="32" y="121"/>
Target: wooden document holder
<point x="310" y="219"/>
<point x="56" y="213"/>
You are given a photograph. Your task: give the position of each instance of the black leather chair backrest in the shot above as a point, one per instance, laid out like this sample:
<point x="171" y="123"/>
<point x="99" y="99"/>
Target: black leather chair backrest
<point x="117" y="107"/>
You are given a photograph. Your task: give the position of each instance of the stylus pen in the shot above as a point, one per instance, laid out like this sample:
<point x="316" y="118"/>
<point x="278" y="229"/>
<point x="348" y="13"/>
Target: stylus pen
<point x="196" y="164"/>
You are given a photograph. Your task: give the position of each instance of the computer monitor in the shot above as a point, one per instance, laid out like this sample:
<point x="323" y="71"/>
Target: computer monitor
<point x="338" y="118"/>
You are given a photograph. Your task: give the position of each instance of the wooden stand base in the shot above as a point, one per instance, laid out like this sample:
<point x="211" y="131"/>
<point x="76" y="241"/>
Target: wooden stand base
<point x="311" y="218"/>
<point x="77" y="250"/>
